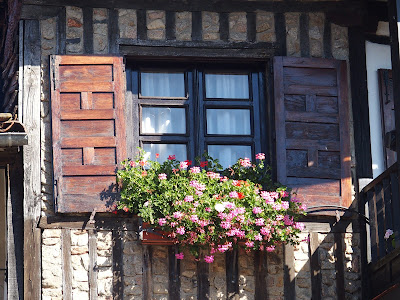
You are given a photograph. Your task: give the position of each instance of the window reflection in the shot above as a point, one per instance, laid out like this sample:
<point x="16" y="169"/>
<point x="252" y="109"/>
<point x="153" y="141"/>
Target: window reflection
<point x="227" y="155"/>
<point x="162" y="84"/>
<point x="227" y="86"/>
<point x="163" y="120"/>
<point x="228" y="121"/>
<point x="165" y="150"/>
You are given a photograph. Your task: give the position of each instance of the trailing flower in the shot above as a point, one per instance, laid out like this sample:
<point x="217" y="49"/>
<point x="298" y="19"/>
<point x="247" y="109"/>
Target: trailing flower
<point x="203" y="209"/>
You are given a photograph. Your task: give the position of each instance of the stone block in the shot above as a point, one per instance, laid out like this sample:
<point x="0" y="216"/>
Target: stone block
<point x="183" y="26"/>
<point x="292" y="34"/>
<point x="265" y="26"/>
<point x="238" y="26"/>
<point x="210" y="26"/>
<point x="127" y="23"/>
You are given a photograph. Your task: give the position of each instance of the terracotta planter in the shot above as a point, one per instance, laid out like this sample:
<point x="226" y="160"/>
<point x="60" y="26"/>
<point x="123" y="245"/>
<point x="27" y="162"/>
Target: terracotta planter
<point x="154" y="236"/>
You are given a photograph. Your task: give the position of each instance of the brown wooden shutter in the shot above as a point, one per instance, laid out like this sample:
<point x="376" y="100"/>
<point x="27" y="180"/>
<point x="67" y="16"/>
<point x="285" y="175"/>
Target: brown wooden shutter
<point x="312" y="129"/>
<point x="88" y="124"/>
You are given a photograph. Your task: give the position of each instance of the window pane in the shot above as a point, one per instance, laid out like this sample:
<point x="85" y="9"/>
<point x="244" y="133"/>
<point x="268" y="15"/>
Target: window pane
<point x="163" y="120"/>
<point x="228" y="121"/>
<point x="162" y="84"/>
<point x="164" y="150"/>
<point x="228" y="154"/>
<point x="227" y="86"/>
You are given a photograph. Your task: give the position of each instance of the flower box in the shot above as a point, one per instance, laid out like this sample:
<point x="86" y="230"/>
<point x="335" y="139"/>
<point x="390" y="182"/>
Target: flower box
<point x="151" y="236"/>
<point x="204" y="209"/>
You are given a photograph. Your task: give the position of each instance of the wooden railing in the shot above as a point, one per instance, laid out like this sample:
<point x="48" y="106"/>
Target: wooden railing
<point x="382" y="197"/>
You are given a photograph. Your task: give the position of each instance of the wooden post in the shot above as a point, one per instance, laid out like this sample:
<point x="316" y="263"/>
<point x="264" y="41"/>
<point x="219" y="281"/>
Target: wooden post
<point x="394" y="23"/>
<point x="31" y="158"/>
<point x="15" y="232"/>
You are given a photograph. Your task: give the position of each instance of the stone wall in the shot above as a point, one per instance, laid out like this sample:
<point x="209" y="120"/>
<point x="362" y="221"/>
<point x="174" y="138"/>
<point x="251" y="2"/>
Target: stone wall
<point x="53" y="257"/>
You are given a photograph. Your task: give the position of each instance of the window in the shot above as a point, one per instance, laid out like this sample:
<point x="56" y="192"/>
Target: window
<point x="186" y="110"/>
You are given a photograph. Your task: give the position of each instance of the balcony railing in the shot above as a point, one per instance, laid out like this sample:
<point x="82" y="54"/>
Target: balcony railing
<point x="382" y="197"/>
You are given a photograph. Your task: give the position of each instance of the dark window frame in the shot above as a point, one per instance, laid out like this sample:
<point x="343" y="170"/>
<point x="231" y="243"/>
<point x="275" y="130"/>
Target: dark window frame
<point x="196" y="104"/>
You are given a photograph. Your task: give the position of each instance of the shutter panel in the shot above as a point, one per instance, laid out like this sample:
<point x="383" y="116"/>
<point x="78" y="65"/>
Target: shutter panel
<point x="312" y="129"/>
<point x="88" y="125"/>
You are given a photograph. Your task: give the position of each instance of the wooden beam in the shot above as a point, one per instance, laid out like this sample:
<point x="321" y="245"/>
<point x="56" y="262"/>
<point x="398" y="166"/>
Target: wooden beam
<point x="261" y="273"/>
<point x="232" y="274"/>
<point x="117" y="257"/>
<point x="359" y="95"/>
<point x="15" y="230"/>
<point x="217" y="5"/>
<point x="82" y="222"/>
<point x="315" y="264"/>
<point x="93" y="265"/>
<point x="174" y="280"/>
<point x="289" y="275"/>
<point x="32" y="173"/>
<point x="147" y="272"/>
<point x="66" y="263"/>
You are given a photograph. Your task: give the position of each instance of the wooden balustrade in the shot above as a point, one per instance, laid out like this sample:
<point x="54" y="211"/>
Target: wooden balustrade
<point x="382" y="197"/>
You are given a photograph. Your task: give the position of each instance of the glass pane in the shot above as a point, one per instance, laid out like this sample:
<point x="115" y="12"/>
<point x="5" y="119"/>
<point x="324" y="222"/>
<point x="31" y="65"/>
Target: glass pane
<point x="162" y="84"/>
<point x="163" y="120"/>
<point x="228" y="86"/>
<point x="228" y="154"/>
<point x="164" y="150"/>
<point x="228" y="121"/>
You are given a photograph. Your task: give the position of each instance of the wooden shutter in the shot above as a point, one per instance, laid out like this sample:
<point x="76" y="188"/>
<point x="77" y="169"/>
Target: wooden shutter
<point x="88" y="124"/>
<point x="312" y="129"/>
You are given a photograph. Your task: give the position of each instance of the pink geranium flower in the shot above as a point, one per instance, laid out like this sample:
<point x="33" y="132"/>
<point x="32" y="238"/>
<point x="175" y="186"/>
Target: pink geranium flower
<point x="162" y="221"/>
<point x="257" y="210"/>
<point x="270" y="248"/>
<point x="249" y="244"/>
<point x="171" y="157"/>
<point x="260" y="156"/>
<point x="209" y="259"/>
<point x="162" y="176"/>
<point x="194" y="170"/>
<point x="180" y="230"/>
<point x="189" y="198"/>
<point x="245" y="162"/>
<point x="183" y="164"/>
<point x="233" y="194"/>
<point x="179" y="255"/>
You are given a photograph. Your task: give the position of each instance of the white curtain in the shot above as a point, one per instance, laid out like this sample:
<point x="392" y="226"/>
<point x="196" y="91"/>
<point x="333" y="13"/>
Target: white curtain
<point x="164" y="150"/>
<point x="227" y="86"/>
<point x="162" y="84"/>
<point x="228" y="121"/>
<point x="163" y="120"/>
<point x="227" y="155"/>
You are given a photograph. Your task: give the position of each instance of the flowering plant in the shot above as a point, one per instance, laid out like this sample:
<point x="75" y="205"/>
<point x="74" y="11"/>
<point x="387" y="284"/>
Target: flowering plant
<point x="202" y="208"/>
<point x="389" y="235"/>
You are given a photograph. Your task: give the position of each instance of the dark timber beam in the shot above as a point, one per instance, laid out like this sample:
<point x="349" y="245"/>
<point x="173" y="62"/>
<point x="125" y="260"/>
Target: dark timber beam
<point x="343" y="7"/>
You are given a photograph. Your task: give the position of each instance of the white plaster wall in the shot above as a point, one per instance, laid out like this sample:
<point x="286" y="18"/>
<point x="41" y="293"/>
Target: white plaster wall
<point x="378" y="57"/>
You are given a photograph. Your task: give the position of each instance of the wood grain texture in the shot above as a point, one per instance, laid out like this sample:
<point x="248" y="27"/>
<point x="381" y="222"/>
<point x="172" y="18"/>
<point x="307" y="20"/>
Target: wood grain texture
<point x="15" y="230"/>
<point x="174" y="280"/>
<point x="66" y="263"/>
<point x="147" y="272"/>
<point x="32" y="173"/>
<point x="312" y="130"/>
<point x="89" y="138"/>
<point x="261" y="273"/>
<point x="118" y="271"/>
<point x="92" y="265"/>
<point x="289" y="273"/>
<point x="339" y="265"/>
<point x="315" y="264"/>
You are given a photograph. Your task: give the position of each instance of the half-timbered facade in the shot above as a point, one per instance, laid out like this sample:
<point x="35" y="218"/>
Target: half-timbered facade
<point x="93" y="80"/>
